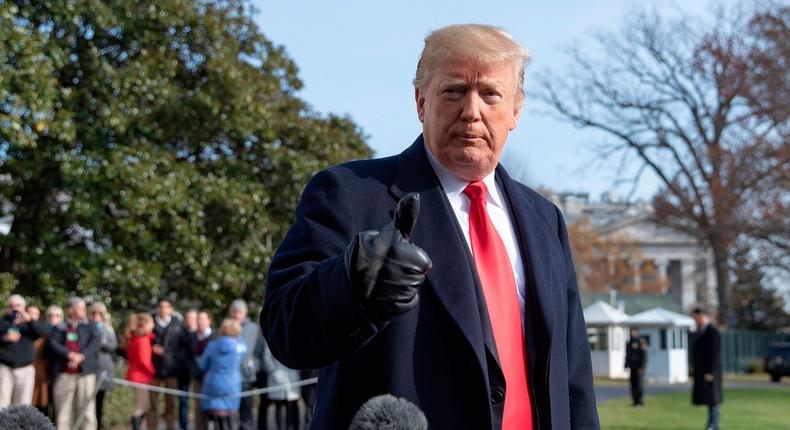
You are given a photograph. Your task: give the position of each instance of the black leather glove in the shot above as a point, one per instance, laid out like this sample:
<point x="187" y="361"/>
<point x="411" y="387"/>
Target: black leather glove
<point x="385" y="269"/>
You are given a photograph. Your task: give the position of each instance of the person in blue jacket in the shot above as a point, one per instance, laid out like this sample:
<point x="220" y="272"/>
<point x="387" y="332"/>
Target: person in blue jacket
<point x="220" y="363"/>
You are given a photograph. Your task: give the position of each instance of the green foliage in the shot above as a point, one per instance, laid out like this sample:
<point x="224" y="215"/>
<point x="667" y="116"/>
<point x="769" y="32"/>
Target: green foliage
<point x="150" y="148"/>
<point x="755" y="408"/>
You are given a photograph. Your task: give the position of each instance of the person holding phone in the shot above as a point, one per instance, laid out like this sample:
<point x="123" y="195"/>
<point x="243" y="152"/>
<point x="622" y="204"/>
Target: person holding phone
<point x="17" y="333"/>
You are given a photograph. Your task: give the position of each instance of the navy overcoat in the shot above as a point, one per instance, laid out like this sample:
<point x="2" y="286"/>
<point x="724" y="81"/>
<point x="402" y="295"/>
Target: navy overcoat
<point x="441" y="355"/>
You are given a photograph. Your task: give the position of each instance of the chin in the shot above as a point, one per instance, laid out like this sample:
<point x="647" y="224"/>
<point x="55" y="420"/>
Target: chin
<point x="472" y="169"/>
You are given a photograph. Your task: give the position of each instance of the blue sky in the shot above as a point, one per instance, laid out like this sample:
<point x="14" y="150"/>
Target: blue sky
<point x="357" y="58"/>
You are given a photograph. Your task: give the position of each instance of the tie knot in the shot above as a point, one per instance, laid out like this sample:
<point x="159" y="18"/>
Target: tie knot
<point x="476" y="190"/>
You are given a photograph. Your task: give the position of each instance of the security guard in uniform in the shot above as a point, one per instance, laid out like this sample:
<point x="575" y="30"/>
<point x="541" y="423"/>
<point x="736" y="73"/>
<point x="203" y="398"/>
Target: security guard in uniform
<point x="636" y="360"/>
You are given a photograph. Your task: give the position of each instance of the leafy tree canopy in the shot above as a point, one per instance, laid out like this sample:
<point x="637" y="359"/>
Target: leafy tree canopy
<point x="149" y="149"/>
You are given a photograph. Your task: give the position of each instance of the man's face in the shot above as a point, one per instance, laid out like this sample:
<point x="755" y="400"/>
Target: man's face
<point x="238" y="314"/>
<point x="467" y="109"/>
<point x="700" y="319"/>
<point x="203" y="321"/>
<point x="16" y="305"/>
<point x="190" y="320"/>
<point x="164" y="310"/>
<point x="77" y="311"/>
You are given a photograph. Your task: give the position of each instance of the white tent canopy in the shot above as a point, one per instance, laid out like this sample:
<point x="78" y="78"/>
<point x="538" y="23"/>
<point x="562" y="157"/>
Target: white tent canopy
<point x="665" y="332"/>
<point x="602" y="313"/>
<point x="659" y="317"/>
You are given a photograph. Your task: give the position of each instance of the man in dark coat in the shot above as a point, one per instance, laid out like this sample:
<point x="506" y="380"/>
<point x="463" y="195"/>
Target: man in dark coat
<point x="706" y="364"/>
<point x="636" y="360"/>
<point x="167" y="332"/>
<point x="18" y="331"/>
<point x="350" y="291"/>
<point x="74" y="348"/>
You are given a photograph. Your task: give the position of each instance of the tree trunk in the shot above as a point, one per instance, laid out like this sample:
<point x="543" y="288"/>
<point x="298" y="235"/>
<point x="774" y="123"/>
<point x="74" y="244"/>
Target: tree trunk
<point x="719" y="247"/>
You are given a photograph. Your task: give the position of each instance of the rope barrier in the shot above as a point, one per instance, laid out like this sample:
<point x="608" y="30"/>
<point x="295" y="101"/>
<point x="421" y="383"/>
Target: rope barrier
<point x="201" y="396"/>
<point x="105" y="377"/>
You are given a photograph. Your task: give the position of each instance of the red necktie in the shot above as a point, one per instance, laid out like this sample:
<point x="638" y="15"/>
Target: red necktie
<point x="499" y="287"/>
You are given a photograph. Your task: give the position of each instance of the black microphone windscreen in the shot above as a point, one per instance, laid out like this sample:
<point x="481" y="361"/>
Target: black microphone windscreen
<point x="387" y="412"/>
<point x="24" y="417"/>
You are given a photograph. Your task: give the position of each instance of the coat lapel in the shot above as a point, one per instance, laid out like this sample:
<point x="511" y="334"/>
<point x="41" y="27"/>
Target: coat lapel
<point x="535" y="242"/>
<point x="452" y="277"/>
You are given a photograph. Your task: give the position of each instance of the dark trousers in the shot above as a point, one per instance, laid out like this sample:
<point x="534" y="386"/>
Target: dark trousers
<point x="286" y="414"/>
<point x="637" y="384"/>
<point x="713" y="417"/>
<point x="223" y="421"/>
<point x="183" y="404"/>
<point x="99" y="407"/>
<point x="245" y="408"/>
<point x="263" y="413"/>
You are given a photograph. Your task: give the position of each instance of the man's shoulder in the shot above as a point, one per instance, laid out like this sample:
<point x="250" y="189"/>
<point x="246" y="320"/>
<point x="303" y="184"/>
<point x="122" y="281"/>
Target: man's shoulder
<point x="361" y="169"/>
<point x="251" y="327"/>
<point x="541" y="204"/>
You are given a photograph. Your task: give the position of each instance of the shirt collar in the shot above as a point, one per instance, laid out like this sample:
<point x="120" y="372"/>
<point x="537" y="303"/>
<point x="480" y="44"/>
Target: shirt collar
<point x="454" y="186"/>
<point x="161" y="322"/>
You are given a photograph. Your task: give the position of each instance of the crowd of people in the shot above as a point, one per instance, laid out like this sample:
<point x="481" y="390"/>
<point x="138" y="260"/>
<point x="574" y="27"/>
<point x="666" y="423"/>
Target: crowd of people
<point x="63" y="364"/>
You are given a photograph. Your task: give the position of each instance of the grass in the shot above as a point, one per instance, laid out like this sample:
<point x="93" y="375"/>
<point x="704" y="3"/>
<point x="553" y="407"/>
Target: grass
<point x="743" y="408"/>
<point x="728" y="377"/>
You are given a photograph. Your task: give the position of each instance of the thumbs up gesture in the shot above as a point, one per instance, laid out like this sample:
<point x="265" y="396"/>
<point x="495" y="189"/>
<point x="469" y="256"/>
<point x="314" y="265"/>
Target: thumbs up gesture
<point x="385" y="269"/>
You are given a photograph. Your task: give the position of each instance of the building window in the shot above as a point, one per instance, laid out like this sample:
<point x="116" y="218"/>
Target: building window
<point x="597" y="339"/>
<point x="663" y="341"/>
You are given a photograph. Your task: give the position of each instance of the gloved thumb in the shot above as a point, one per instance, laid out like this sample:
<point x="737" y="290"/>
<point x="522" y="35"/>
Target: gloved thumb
<point x="406" y="213"/>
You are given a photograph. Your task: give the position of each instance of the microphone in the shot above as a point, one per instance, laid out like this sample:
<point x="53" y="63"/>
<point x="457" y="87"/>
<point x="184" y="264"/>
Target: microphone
<point x="24" y="417"/>
<point x="387" y="412"/>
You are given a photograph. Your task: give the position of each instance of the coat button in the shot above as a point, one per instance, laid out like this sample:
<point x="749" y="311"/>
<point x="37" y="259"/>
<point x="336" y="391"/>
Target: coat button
<point x="497" y="396"/>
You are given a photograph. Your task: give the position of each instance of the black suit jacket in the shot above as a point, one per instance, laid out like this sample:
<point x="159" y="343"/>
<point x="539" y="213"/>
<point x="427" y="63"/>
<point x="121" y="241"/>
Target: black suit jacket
<point x="89" y="340"/>
<point x="441" y="355"/>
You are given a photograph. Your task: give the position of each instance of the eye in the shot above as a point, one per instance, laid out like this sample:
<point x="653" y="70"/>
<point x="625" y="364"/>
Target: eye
<point x="452" y="92"/>
<point x="490" y="93"/>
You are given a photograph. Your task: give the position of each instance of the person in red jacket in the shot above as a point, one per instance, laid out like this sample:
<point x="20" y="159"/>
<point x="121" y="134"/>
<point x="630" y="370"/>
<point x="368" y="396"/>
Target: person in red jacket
<point x="141" y="368"/>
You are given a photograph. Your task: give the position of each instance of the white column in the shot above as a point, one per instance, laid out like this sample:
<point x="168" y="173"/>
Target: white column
<point x="663" y="269"/>
<point x="636" y="266"/>
<point x="688" y="288"/>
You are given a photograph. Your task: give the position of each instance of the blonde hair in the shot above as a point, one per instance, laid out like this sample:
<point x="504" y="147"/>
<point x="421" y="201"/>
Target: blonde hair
<point x="230" y="327"/>
<point x="479" y="42"/>
<point x="130" y="328"/>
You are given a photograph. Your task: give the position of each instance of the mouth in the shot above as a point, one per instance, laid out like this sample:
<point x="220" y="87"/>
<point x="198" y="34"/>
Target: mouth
<point x="468" y="138"/>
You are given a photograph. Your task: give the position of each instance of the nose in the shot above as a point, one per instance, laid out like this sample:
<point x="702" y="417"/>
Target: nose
<point x="470" y="111"/>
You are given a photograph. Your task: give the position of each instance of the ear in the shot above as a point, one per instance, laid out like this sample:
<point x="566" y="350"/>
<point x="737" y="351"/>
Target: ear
<point x="419" y="98"/>
<point x="517" y="111"/>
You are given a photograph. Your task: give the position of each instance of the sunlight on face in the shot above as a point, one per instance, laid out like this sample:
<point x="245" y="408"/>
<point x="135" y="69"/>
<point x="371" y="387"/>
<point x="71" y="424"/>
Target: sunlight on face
<point x="467" y="109"/>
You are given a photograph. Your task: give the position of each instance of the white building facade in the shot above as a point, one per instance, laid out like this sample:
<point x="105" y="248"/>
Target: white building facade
<point x="684" y="267"/>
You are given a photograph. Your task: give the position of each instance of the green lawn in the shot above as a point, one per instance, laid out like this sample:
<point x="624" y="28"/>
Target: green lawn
<point x="743" y="408"/>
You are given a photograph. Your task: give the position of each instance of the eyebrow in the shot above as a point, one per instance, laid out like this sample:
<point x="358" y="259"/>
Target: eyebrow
<point x="464" y="83"/>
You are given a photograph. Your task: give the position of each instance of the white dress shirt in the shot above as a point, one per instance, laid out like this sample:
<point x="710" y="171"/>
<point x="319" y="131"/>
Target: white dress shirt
<point x="497" y="211"/>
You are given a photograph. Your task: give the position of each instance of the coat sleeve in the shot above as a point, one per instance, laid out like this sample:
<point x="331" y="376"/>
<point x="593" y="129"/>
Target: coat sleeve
<point x="109" y="341"/>
<point x="310" y="318"/>
<point x="56" y="344"/>
<point x="91" y="348"/>
<point x="35" y="329"/>
<point x="584" y="412"/>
